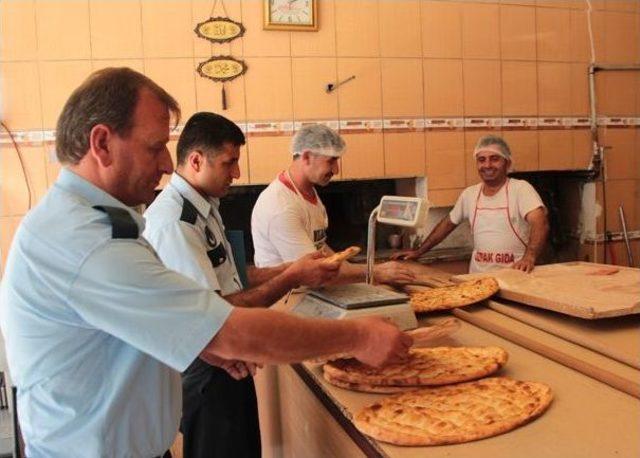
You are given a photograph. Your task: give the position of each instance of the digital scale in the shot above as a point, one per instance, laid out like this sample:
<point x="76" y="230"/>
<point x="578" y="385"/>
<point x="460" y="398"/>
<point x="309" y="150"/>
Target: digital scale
<point x="357" y="300"/>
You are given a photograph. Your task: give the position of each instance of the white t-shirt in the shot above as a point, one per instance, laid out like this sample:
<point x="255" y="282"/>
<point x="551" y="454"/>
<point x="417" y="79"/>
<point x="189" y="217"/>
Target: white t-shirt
<point x="285" y="226"/>
<point x="522" y="199"/>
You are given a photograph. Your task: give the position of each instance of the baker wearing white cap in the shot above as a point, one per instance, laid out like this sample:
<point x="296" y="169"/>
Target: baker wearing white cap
<point x="507" y="217"/>
<point x="289" y="219"/>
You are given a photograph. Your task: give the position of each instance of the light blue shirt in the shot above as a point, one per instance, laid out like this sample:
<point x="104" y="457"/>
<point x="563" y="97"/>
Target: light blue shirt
<point x="182" y="245"/>
<point x="97" y="330"/>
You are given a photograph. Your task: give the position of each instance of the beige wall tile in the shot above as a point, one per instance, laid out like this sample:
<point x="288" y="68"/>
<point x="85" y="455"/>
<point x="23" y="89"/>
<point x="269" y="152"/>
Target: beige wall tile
<point x="556" y="149"/>
<point x="402" y="87"/>
<point x="445" y="160"/>
<point x="56" y="38"/>
<point x="58" y="80"/>
<point x="274" y="103"/>
<point x="580" y="43"/>
<point x="563" y="4"/>
<point x="310" y="78"/>
<point x="444" y="197"/>
<point x="404" y="154"/>
<point x="361" y="97"/>
<point x="15" y="194"/>
<point x="622" y="38"/>
<point x="364" y="157"/>
<point x="629" y="6"/>
<point x="616" y="93"/>
<point x="8" y="227"/>
<point x="357" y="28"/>
<point x="259" y="42"/>
<point x="267" y="157"/>
<point x="18" y="30"/>
<point x="135" y="64"/>
<point x="321" y="42"/>
<point x="480" y="31"/>
<point x="620" y="159"/>
<point x="471" y="137"/>
<point x="441" y="29"/>
<point x="200" y="12"/>
<point x="109" y="41"/>
<point x="400" y="28"/>
<point x="20" y="95"/>
<point x="553" y="28"/>
<point x="524" y="148"/>
<point x="580" y="89"/>
<point x="209" y="97"/>
<point x="166" y="29"/>
<point x="517" y="32"/>
<point x="621" y="192"/>
<point x="177" y="77"/>
<point x="554" y="89"/>
<point x="519" y="2"/>
<point x="482" y="88"/>
<point x="519" y="88"/>
<point x="582" y="148"/>
<point x="443" y="87"/>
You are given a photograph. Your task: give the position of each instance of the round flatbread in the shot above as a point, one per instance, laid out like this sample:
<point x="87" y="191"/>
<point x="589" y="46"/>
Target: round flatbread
<point x="425" y="366"/>
<point x="456" y="413"/>
<point x="449" y="297"/>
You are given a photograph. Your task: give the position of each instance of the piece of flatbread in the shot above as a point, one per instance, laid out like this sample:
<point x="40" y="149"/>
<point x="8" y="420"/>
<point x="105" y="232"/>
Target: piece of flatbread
<point x="425" y="366"/>
<point x="342" y="255"/>
<point x="422" y="337"/>
<point x="449" y="297"/>
<point x="368" y="388"/>
<point x="456" y="413"/>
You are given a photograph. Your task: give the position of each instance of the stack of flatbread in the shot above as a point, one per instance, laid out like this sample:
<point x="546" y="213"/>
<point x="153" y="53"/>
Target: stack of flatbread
<point x="449" y="297"/>
<point x="425" y="367"/>
<point x="455" y="413"/>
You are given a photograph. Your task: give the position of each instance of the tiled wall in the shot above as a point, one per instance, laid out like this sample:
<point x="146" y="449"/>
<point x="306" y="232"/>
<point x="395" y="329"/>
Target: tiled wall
<point x="431" y="77"/>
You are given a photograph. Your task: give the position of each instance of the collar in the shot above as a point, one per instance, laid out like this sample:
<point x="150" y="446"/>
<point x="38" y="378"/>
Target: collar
<point x="75" y="184"/>
<point x="203" y="205"/>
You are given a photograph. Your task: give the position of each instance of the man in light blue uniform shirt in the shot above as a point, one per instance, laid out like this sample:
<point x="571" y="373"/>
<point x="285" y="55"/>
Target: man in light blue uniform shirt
<point x="95" y="326"/>
<point x="220" y="415"/>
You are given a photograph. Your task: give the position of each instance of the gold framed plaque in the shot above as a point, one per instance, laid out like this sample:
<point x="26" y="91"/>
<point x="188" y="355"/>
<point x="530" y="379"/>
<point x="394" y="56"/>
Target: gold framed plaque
<point x="222" y="68"/>
<point x="292" y="15"/>
<point x="219" y="29"/>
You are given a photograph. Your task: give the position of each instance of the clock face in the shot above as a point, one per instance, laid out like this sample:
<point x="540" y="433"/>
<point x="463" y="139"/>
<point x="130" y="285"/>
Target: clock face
<point x="291" y="12"/>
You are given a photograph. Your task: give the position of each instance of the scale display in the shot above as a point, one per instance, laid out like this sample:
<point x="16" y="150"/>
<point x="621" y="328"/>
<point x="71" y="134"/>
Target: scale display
<point x="401" y="211"/>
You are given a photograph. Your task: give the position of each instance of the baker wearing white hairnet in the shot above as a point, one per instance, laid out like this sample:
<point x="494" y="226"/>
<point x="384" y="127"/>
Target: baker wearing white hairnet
<point x="507" y="217"/>
<point x="289" y="219"/>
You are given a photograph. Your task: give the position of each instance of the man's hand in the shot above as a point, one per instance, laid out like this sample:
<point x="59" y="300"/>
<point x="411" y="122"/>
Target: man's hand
<point x="313" y="270"/>
<point x="393" y="272"/>
<point x="407" y="255"/>
<point x="381" y="342"/>
<point x="525" y="264"/>
<point x="235" y="368"/>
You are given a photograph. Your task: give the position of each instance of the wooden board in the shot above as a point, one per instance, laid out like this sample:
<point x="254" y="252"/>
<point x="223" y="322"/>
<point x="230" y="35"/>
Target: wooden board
<point x="571" y="288"/>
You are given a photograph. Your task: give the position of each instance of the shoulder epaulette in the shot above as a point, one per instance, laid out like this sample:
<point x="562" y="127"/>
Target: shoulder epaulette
<point x="189" y="212"/>
<point x="123" y="226"/>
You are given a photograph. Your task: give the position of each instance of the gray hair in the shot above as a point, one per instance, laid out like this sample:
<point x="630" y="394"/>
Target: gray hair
<point x="489" y="140"/>
<point x="317" y="139"/>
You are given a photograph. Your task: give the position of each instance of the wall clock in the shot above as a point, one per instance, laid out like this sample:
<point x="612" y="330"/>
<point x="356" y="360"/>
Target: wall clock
<point x="293" y="15"/>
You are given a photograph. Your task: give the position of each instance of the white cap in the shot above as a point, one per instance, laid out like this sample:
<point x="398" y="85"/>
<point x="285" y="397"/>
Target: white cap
<point x="318" y="139"/>
<point x="495" y="149"/>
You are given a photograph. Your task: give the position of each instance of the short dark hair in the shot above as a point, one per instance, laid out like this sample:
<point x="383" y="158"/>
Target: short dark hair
<point x="209" y="132"/>
<point x="109" y="96"/>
